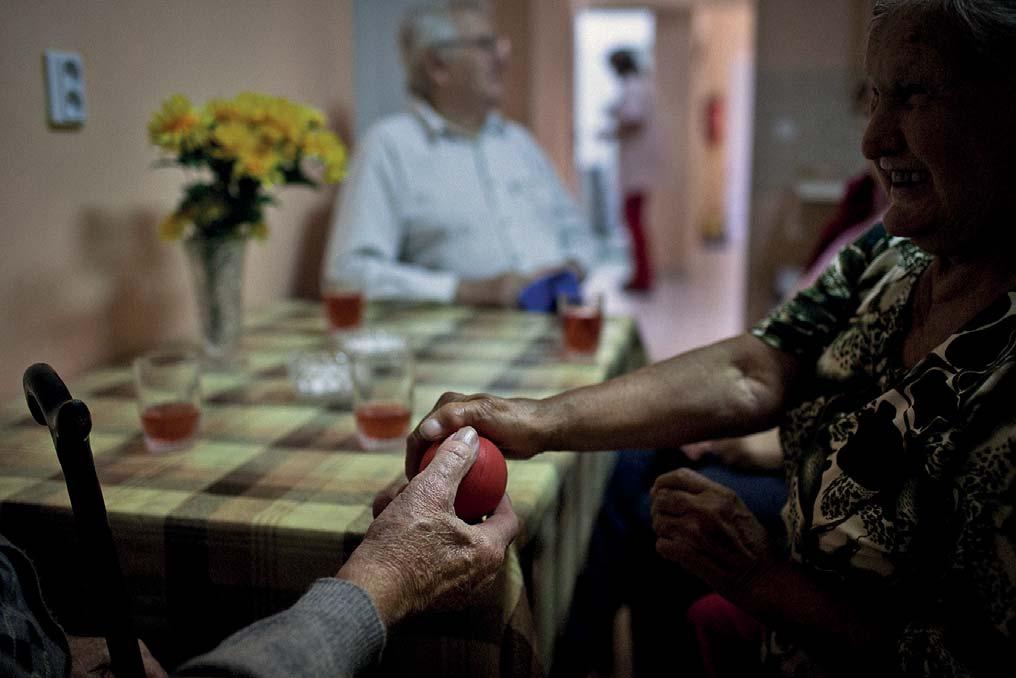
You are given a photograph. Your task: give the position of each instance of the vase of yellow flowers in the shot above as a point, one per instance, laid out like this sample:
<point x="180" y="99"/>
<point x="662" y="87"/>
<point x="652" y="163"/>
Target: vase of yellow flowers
<point x="238" y="149"/>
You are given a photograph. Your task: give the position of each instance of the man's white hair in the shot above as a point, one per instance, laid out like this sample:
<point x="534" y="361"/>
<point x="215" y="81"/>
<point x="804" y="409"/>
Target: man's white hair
<point x="425" y="28"/>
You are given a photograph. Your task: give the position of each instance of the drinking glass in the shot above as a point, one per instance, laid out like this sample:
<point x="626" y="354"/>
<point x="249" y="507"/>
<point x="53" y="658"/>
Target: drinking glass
<point x="383" y="376"/>
<point x="343" y="304"/>
<point x="581" y="322"/>
<point x="168" y="388"/>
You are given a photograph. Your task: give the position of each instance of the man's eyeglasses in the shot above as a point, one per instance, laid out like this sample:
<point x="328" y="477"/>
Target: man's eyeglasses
<point x="489" y="43"/>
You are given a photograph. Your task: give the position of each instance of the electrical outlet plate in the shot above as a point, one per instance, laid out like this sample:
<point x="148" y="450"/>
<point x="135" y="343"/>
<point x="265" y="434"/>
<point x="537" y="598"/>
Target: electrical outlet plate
<point x="65" y="86"/>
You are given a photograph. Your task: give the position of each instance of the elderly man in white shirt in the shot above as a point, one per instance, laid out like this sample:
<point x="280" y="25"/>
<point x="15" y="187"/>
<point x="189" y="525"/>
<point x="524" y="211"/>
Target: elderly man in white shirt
<point x="450" y="202"/>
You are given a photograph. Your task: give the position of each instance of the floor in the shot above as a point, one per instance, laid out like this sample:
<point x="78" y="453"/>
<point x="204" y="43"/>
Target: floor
<point x="681" y="312"/>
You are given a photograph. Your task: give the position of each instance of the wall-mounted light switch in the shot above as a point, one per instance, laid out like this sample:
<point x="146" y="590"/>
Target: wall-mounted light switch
<point x="65" y="85"/>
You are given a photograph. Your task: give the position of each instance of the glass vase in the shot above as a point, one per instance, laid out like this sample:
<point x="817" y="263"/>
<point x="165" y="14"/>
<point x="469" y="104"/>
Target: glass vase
<point x="216" y="266"/>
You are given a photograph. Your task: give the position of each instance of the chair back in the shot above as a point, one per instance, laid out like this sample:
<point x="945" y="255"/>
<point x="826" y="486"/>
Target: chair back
<point x="69" y="425"/>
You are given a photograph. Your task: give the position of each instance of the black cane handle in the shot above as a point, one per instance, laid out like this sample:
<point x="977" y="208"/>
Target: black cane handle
<point x="69" y="424"/>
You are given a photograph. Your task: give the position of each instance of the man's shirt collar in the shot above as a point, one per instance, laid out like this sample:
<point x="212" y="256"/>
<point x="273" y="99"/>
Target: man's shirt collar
<point x="437" y="125"/>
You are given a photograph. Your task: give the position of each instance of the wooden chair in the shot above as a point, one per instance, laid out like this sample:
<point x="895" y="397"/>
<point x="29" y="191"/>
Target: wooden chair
<point x="69" y="424"/>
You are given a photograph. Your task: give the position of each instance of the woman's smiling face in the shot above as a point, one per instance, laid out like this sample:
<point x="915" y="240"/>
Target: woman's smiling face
<point x="941" y="136"/>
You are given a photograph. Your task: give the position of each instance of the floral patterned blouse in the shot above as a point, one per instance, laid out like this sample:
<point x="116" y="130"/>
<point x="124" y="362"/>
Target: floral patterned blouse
<point x="902" y="481"/>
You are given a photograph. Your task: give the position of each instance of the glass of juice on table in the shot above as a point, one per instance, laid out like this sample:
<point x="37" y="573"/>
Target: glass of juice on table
<point x="382" y="371"/>
<point x="581" y="322"/>
<point x="168" y="388"/>
<point x="343" y="302"/>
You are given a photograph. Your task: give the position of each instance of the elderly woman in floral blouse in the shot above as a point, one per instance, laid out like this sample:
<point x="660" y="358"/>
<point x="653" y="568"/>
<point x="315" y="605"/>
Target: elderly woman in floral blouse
<point x="892" y="379"/>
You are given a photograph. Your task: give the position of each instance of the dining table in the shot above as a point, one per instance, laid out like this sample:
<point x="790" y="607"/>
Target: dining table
<point x="276" y="492"/>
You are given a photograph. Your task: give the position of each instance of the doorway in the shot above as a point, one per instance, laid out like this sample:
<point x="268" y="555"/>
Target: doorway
<point x="598" y="32"/>
<point x="702" y="57"/>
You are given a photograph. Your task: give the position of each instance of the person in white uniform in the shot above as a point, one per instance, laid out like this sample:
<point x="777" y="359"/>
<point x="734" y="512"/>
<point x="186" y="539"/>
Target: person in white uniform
<point x="639" y="143"/>
<point x="449" y="201"/>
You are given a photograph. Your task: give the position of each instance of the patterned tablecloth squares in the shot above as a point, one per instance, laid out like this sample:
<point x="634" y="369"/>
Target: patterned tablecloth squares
<point x="276" y="492"/>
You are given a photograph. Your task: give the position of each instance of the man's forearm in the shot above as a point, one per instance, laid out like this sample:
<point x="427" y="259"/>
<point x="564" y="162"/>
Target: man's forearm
<point x="729" y="388"/>
<point x="382" y="278"/>
<point x="333" y="630"/>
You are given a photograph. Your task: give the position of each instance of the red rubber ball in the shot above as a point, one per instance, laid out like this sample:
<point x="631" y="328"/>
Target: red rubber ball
<point x="484" y="484"/>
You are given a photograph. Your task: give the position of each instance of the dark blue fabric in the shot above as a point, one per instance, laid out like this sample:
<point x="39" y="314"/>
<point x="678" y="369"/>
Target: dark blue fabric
<point x="763" y="493"/>
<point x="541" y="295"/>
<point x="622" y="568"/>
<point x="31" y="643"/>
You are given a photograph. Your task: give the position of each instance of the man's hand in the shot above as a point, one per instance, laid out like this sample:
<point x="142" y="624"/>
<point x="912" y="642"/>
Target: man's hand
<point x="90" y="659"/>
<point x="418" y="554"/>
<point x="501" y="291"/>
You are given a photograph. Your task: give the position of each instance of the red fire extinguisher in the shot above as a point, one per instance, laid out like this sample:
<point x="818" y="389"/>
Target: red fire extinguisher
<point x="714" y="119"/>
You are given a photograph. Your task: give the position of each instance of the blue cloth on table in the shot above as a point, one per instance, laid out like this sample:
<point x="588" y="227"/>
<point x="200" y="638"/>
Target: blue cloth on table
<point x="541" y="294"/>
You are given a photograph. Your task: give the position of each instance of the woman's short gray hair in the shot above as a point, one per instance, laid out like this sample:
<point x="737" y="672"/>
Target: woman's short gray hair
<point x="988" y="27"/>
<point x="426" y="27"/>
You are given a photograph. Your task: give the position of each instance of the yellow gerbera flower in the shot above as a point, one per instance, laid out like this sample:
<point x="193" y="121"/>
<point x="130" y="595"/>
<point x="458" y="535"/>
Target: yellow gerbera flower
<point x="324" y="145"/>
<point x="173" y="226"/>
<point x="259" y="230"/>
<point x="177" y="125"/>
<point x="253" y="106"/>
<point x="234" y="138"/>
<point x="335" y="166"/>
<point x="315" y="118"/>
<point x="223" y="111"/>
<point x="259" y="163"/>
<point x="207" y="211"/>
<point x="251" y="137"/>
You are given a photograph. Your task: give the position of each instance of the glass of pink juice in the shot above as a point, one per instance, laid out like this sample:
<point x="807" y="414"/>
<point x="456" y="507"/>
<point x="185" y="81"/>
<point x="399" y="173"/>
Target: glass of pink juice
<point x="344" y="305"/>
<point x="581" y="323"/>
<point x="382" y="370"/>
<point x="167" y="384"/>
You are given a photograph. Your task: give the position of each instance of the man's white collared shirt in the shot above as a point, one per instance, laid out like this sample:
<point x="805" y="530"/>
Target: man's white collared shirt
<point x="425" y="205"/>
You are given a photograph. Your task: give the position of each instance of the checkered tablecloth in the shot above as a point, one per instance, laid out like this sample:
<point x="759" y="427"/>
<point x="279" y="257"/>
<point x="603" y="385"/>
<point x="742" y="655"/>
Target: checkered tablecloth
<point x="276" y="492"/>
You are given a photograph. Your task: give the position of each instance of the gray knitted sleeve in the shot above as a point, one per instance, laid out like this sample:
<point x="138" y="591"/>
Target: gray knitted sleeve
<point x="333" y="630"/>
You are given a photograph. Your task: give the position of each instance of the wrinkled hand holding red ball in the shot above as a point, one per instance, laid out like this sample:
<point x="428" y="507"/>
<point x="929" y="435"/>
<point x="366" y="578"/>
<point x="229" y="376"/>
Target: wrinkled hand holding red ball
<point x="484" y="484"/>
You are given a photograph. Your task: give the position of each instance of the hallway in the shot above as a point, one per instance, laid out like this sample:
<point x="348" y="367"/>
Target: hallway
<point x="682" y="311"/>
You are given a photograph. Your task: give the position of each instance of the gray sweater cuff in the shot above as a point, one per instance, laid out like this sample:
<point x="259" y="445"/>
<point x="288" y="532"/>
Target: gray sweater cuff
<point x="333" y="630"/>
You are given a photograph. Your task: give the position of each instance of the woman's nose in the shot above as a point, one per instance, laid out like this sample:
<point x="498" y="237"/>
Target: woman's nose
<point x="882" y="135"/>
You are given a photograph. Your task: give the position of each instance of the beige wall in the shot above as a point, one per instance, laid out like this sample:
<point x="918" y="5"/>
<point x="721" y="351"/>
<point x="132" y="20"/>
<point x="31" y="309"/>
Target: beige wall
<point x="722" y="42"/>
<point x="696" y="50"/>
<point x="670" y="206"/>
<point x="511" y="18"/>
<point x="808" y="56"/>
<point x="539" y="92"/>
<point x="84" y="278"/>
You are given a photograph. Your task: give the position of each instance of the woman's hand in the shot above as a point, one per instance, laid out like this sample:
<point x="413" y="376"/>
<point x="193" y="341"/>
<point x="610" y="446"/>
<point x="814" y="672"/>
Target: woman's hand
<point x="418" y="554"/>
<point x="514" y="425"/>
<point x="759" y="451"/>
<point x="707" y="529"/>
